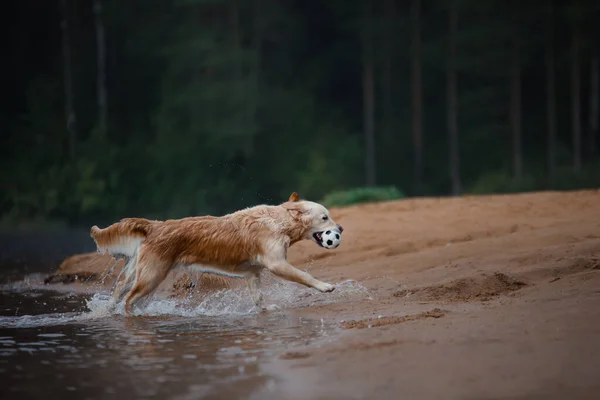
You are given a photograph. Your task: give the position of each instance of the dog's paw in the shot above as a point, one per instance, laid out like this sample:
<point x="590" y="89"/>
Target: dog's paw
<point x="326" y="287"/>
<point x="270" y="307"/>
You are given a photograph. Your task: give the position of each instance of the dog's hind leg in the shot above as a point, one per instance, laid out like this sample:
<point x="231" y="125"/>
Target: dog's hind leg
<point x="149" y="274"/>
<point x="253" y="282"/>
<point x="123" y="287"/>
<point x="251" y="272"/>
<point x="120" y="288"/>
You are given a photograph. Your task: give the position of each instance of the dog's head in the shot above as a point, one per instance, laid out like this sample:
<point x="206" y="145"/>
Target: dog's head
<point x="313" y="218"/>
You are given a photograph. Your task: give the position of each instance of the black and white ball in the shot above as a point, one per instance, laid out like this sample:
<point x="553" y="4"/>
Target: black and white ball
<point x="331" y="239"/>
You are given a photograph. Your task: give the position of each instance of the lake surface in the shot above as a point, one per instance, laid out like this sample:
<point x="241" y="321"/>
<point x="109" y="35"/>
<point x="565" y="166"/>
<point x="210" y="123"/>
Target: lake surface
<point x="74" y="345"/>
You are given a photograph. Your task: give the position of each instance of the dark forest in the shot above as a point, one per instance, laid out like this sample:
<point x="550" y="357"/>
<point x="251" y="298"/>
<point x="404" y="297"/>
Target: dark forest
<point x="170" y="108"/>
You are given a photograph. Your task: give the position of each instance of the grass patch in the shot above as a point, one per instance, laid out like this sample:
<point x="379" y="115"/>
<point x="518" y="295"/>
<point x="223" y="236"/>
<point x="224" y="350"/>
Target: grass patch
<point x="502" y="181"/>
<point x="361" y="195"/>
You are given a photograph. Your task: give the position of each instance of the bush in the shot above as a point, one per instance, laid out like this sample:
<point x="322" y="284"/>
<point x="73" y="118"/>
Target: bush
<point x="361" y="195"/>
<point x="503" y="182"/>
<point x="588" y="178"/>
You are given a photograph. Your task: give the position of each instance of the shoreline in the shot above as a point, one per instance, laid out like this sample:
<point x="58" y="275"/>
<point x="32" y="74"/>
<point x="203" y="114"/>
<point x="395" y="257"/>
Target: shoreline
<point x="474" y="297"/>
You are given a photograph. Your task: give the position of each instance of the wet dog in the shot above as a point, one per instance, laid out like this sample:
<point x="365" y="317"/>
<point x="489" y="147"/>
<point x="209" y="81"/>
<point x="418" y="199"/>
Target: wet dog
<point x="239" y="245"/>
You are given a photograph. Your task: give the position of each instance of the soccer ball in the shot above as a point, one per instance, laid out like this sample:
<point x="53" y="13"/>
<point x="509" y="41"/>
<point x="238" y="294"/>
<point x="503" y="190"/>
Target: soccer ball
<point x="331" y="239"/>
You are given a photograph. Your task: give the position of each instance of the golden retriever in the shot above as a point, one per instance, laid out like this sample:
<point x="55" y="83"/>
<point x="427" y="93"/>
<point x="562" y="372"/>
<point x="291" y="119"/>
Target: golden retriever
<point x="239" y="244"/>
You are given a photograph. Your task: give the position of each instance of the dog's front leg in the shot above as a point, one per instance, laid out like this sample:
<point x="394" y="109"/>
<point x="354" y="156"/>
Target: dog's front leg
<point x="287" y="271"/>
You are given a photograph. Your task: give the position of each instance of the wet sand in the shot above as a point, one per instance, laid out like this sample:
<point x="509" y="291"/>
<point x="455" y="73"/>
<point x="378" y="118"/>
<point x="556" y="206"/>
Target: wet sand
<point x="492" y="297"/>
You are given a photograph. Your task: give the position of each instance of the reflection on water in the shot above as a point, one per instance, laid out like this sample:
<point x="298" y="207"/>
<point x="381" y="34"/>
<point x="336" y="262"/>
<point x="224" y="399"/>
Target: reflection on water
<point x="82" y="347"/>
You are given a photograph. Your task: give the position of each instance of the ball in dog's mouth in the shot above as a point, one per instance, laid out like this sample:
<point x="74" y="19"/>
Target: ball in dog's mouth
<point x="318" y="238"/>
<point x="329" y="239"/>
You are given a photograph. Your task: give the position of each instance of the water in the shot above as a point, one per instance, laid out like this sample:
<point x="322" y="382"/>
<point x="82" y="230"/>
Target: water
<point x="80" y="345"/>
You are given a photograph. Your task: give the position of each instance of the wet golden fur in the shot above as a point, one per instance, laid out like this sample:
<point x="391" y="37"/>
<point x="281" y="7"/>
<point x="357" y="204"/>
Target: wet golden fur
<point x="239" y="244"/>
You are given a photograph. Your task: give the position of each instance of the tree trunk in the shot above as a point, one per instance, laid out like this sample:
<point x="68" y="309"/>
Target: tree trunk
<point x="101" y="69"/>
<point x="253" y="93"/>
<point x="236" y="39"/>
<point x="417" y="94"/>
<point x="241" y="118"/>
<point x="257" y="40"/>
<point x="576" y="93"/>
<point x="452" y="99"/>
<point x="387" y="68"/>
<point x="515" y="102"/>
<point x="368" y="96"/>
<point x="71" y="118"/>
<point x="594" y="103"/>
<point x="257" y="45"/>
<point x="550" y="94"/>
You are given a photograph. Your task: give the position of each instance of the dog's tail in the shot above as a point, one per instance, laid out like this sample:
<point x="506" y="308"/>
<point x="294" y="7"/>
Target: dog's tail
<point x="123" y="237"/>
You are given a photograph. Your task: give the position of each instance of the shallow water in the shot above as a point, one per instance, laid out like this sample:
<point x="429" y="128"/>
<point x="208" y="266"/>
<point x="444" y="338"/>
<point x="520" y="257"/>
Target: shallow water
<point x="81" y="346"/>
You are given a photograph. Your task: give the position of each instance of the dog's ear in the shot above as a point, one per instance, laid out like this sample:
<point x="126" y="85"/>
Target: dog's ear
<point x="295" y="209"/>
<point x="294" y="197"/>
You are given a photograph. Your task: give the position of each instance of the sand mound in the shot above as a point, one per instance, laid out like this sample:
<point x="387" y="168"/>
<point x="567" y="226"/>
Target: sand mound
<point x="392" y="320"/>
<point x="193" y="284"/>
<point x="88" y="268"/>
<point x="480" y="288"/>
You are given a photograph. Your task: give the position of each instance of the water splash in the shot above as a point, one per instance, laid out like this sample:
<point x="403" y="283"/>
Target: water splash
<point x="31" y="321"/>
<point x="233" y="302"/>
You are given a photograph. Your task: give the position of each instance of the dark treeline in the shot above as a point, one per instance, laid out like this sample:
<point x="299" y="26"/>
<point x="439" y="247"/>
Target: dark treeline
<point x="168" y="108"/>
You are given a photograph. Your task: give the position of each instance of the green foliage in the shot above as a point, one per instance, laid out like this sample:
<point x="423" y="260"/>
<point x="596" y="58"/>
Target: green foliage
<point x="215" y="105"/>
<point x="361" y="195"/>
<point x="503" y="182"/>
<point x="588" y="178"/>
<point x="566" y="179"/>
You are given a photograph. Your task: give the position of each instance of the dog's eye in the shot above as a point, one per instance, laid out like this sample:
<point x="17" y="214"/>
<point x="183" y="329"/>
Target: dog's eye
<point x="325" y="217"/>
